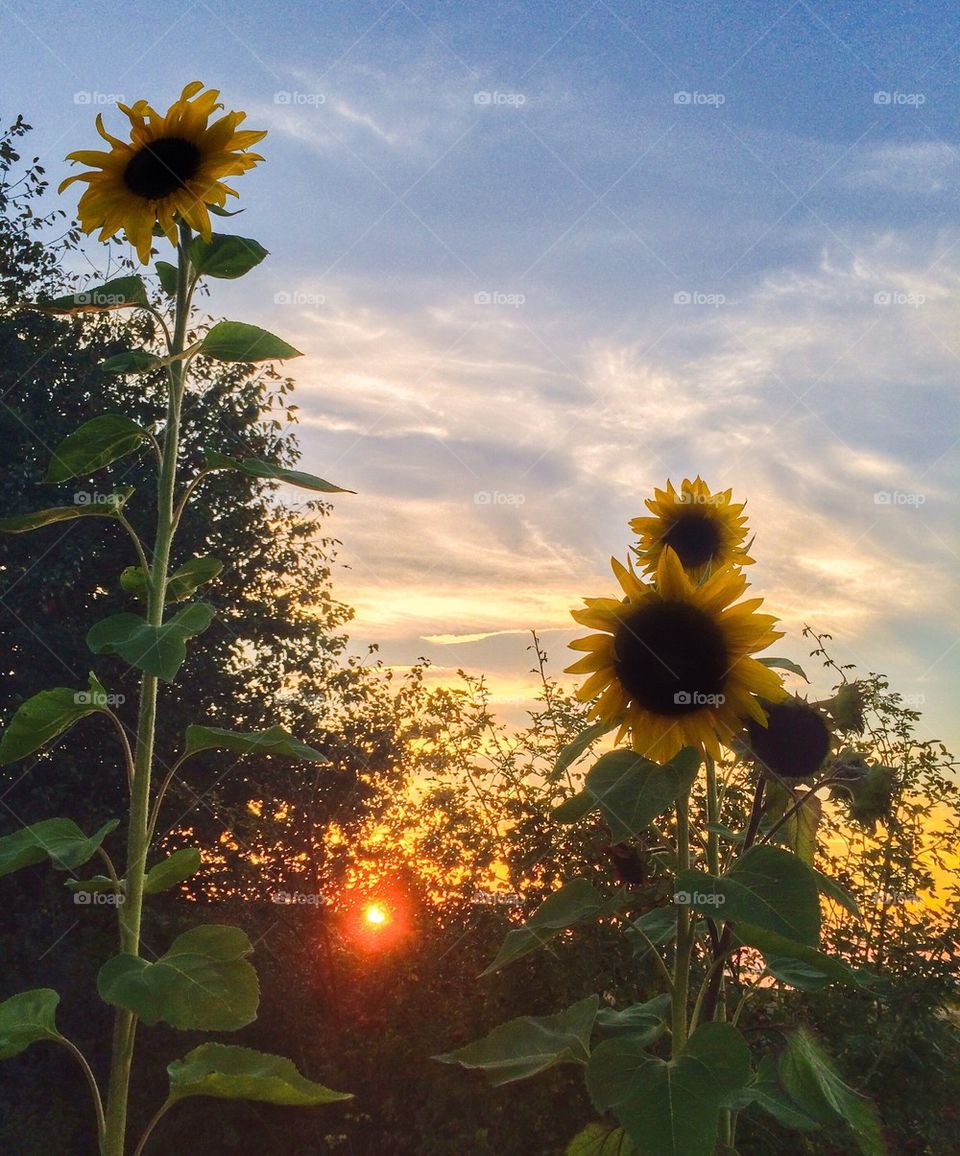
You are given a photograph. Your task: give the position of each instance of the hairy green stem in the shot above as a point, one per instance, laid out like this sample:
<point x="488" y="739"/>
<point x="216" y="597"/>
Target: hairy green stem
<point x="138" y="837"/>
<point x="681" y="963"/>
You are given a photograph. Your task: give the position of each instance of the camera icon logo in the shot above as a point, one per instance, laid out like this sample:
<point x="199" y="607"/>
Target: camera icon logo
<point x="681" y="898"/>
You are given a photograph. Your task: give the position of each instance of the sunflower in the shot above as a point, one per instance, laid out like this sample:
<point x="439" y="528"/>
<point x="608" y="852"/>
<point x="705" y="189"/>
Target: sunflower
<point x="795" y="741"/>
<point x="673" y="665"/>
<point x="706" y="530"/>
<point x="171" y="167"/>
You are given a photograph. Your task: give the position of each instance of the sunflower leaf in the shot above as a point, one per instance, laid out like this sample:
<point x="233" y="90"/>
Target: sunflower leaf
<point x="257" y="468"/>
<point x="226" y="1072"/>
<point x="574" y="749"/>
<point x="96" y="444"/>
<point x="168" y="277"/>
<point x="121" y="293"/>
<point x="59" y="840"/>
<point x="275" y="741"/>
<point x="26" y="1019"/>
<point x="159" y="650"/>
<point x="237" y="341"/>
<point x="105" y="506"/>
<point x="133" y="361"/>
<point x="784" y="664"/>
<point x="573" y="903"/>
<point x="172" y="870"/>
<point x="225" y="256"/>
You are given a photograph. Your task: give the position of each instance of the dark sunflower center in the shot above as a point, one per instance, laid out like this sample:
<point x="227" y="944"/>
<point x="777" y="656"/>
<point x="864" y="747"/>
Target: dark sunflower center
<point x="794" y="742"/>
<point x="695" y="537"/>
<point x="161" y="167"/>
<point x="671" y="658"/>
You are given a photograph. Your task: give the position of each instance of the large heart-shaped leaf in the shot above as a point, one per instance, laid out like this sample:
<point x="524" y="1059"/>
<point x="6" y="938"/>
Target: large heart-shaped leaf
<point x="225" y="256"/>
<point x="601" y="1140"/>
<point x="227" y="1072"/>
<point x="531" y="1044"/>
<point x="275" y="741"/>
<point x="631" y="791"/>
<point x="96" y="444"/>
<point x="766" y="1091"/>
<point x="644" y="1021"/>
<point x="47" y="715"/>
<point x="59" y="840"/>
<point x="573" y="903"/>
<point x="766" y="887"/>
<point x="27" y="1018"/>
<point x="670" y="1108"/>
<point x="257" y="468"/>
<point x="237" y="341"/>
<point x="779" y="949"/>
<point x="159" y="650"/>
<point x="202" y="983"/>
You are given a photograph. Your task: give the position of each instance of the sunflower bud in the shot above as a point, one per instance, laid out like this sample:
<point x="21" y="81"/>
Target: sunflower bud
<point x="846" y="708"/>
<point x="795" y="741"/>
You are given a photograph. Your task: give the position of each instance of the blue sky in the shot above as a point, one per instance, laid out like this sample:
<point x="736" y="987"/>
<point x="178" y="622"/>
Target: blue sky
<point x="541" y="257"/>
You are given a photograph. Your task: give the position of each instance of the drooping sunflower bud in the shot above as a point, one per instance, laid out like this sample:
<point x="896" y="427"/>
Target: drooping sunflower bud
<point x="846" y="708"/>
<point x="795" y="741"/>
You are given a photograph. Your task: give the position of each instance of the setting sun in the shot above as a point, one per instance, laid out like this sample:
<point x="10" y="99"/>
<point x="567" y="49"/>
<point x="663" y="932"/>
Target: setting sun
<point x="375" y="915"/>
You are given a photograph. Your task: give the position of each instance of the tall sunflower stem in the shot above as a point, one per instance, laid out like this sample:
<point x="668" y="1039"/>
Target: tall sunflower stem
<point x="681" y="963"/>
<point x="130" y="912"/>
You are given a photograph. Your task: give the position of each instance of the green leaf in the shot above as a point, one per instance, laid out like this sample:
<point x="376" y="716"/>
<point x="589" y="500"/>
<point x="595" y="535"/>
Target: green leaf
<point x="632" y="791"/>
<point x="27" y="1018"/>
<point x="159" y="650"/>
<point x="671" y="1108"/>
<point x="59" y="840"/>
<point x="601" y="1140"/>
<point x="226" y="1072"/>
<point x="657" y="926"/>
<point x="237" y="341"/>
<point x="832" y="889"/>
<point x="766" y="887"/>
<point x="573" y="750"/>
<point x="172" y="870"/>
<point x="808" y="1074"/>
<point x="91" y="886"/>
<point x="767" y="1093"/>
<point x="121" y="293"/>
<point x="784" y="664"/>
<point x="218" y="211"/>
<point x="47" y="715"/>
<point x="168" y="277"/>
<point x="202" y="983"/>
<point x="275" y="741"/>
<point x="572" y="903"/>
<point x="225" y="256"/>
<point x="182" y="583"/>
<point x="133" y="361"/>
<point x="531" y="1044"/>
<point x="257" y="468"/>
<point x="796" y="973"/>
<point x="95" y="444"/>
<point x="779" y="948"/>
<point x="799" y="832"/>
<point x="109" y="507"/>
<point x="645" y="1021"/>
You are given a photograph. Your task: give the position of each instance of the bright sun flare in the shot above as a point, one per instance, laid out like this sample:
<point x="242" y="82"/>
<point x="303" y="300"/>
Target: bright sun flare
<point x="375" y="915"/>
